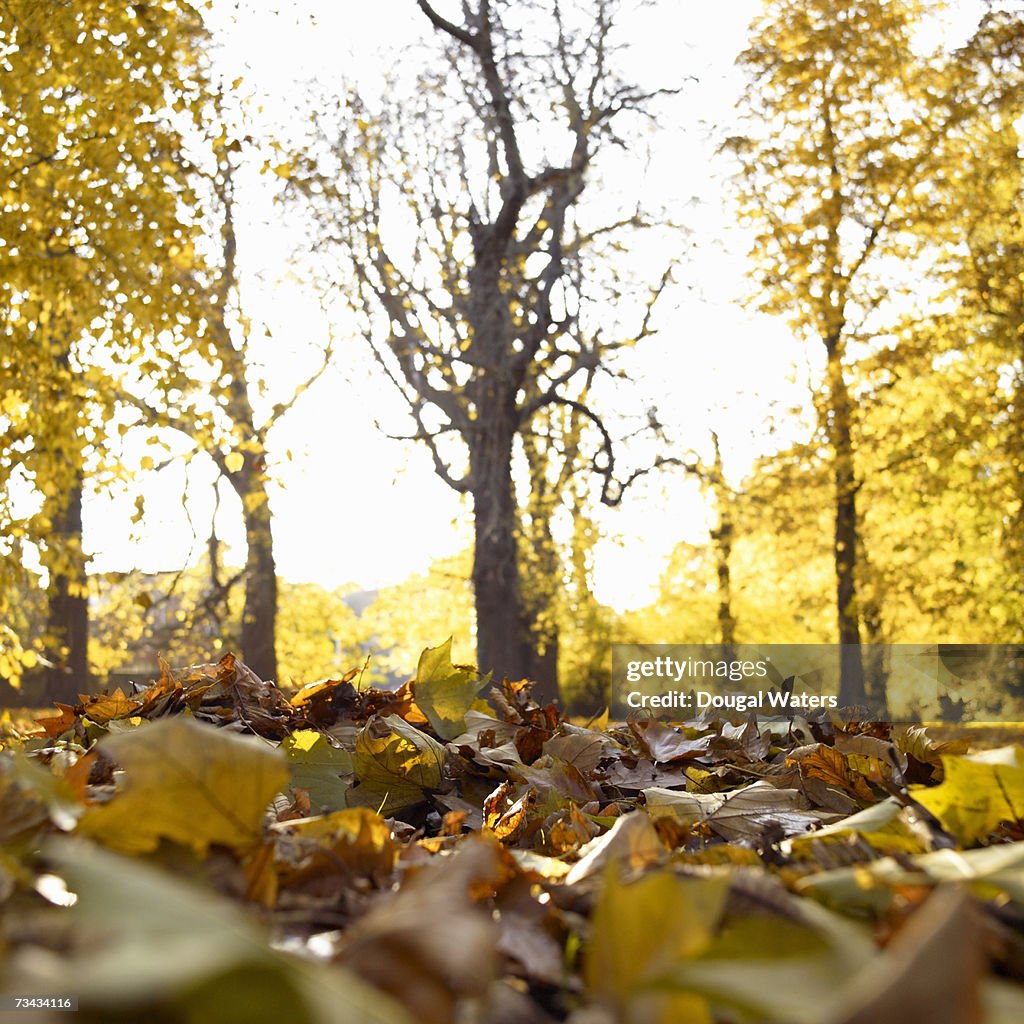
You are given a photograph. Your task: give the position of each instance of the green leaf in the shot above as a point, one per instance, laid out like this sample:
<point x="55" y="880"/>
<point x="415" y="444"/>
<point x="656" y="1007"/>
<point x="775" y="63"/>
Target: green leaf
<point x="317" y="767"/>
<point x="445" y="692"/>
<point x="188" y="782"/>
<point x="395" y="763"/>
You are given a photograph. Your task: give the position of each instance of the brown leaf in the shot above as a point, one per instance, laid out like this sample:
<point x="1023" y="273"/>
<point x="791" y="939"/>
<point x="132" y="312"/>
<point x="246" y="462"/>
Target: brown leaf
<point x="665" y="744"/>
<point x="106" y="707"/>
<point x="931" y="971"/>
<point x="59" y="724"/>
<point x="828" y="764"/>
<point x="430" y="945"/>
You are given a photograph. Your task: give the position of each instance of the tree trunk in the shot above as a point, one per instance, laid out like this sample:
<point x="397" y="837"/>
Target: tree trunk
<point x="67" y="624"/>
<point x="1013" y="533"/>
<point x="540" y="585"/>
<point x="259" y="614"/>
<point x="501" y="636"/>
<point x="721" y="538"/>
<point x="851" y="676"/>
<point x="542" y="668"/>
<point x="874" y="660"/>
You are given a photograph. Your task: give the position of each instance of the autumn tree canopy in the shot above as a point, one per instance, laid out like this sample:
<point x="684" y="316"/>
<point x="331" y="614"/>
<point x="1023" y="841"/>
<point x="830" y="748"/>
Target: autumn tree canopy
<point x="96" y="221"/>
<point x="844" y="129"/>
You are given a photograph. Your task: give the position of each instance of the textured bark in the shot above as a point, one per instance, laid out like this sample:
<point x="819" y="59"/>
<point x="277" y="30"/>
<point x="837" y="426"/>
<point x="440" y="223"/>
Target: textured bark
<point x="67" y="624"/>
<point x="845" y="537"/>
<point x="721" y="538"/>
<point x="541" y="625"/>
<point x="259" y="614"/>
<point x="876" y="674"/>
<point x="502" y="637"/>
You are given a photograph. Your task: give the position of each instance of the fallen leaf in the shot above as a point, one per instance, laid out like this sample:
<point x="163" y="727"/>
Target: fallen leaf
<point x="431" y="944"/>
<point x="396" y="765"/>
<point x="445" y="692"/>
<point x="356" y="842"/>
<point x="632" y="840"/>
<point x="159" y="948"/>
<point x="742" y="815"/>
<point x="639" y="932"/>
<point x="930" y="971"/>
<point x="665" y="744"/>
<point x="318" y="767"/>
<point x="977" y="793"/>
<point x="187" y="782"/>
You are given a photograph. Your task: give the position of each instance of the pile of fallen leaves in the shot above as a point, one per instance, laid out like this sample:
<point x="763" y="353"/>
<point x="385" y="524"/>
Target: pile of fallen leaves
<point x="213" y="848"/>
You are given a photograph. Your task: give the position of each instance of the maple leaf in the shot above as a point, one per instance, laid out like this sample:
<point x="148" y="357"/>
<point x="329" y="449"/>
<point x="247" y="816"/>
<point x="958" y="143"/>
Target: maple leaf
<point x="192" y="783"/>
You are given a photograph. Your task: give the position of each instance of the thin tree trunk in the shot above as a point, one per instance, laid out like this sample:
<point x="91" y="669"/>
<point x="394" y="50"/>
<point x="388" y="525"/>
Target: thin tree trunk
<point x="845" y="539"/>
<point x="875" y="671"/>
<point x="721" y="538"/>
<point x="1013" y="534"/>
<point x="67" y="624"/>
<point x="500" y="623"/>
<point x="541" y="627"/>
<point x="259" y="614"/>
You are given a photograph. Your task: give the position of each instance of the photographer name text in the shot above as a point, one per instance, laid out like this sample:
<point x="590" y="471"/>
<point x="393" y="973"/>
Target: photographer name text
<point x="699" y="700"/>
<point x="693" y="670"/>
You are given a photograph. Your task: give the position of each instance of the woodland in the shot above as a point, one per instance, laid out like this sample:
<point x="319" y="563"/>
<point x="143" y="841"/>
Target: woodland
<point x="226" y="795"/>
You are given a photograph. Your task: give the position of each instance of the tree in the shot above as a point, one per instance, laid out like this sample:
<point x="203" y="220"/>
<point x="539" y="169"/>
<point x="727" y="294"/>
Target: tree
<point x="455" y="212"/>
<point x="213" y="403"/>
<point x="554" y="449"/>
<point x="982" y="203"/>
<point x="95" y="210"/>
<point x="844" y="124"/>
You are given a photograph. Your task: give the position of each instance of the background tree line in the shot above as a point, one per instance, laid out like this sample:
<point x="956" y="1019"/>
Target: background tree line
<point x="879" y="175"/>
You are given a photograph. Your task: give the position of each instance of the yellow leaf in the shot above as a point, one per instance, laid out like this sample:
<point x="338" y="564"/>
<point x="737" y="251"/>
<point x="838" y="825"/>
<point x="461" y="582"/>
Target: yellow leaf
<point x="640" y="932"/>
<point x="977" y="793"/>
<point x="191" y="783"/>
<point x="445" y="692"/>
<point x="395" y="764"/>
<point x="234" y="461"/>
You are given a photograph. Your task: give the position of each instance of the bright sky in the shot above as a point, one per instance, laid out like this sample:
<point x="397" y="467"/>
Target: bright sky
<point x="357" y="507"/>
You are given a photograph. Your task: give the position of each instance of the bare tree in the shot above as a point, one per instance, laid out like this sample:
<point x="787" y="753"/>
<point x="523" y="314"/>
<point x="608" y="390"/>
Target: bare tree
<point x="454" y="210"/>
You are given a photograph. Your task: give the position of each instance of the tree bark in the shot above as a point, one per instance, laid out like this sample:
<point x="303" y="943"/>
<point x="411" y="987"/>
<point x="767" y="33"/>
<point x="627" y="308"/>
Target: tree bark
<point x="259" y="614"/>
<point x="67" y="624"/>
<point x="721" y="538"/>
<point x="502" y="638"/>
<point x="874" y="660"/>
<point x="845" y="537"/>
<point x="541" y="625"/>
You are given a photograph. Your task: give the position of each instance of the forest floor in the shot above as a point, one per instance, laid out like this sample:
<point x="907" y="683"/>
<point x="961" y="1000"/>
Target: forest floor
<point x="215" y="849"/>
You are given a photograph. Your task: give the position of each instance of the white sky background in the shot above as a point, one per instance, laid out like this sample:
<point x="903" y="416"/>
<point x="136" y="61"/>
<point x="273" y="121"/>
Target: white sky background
<point x="358" y="507"/>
